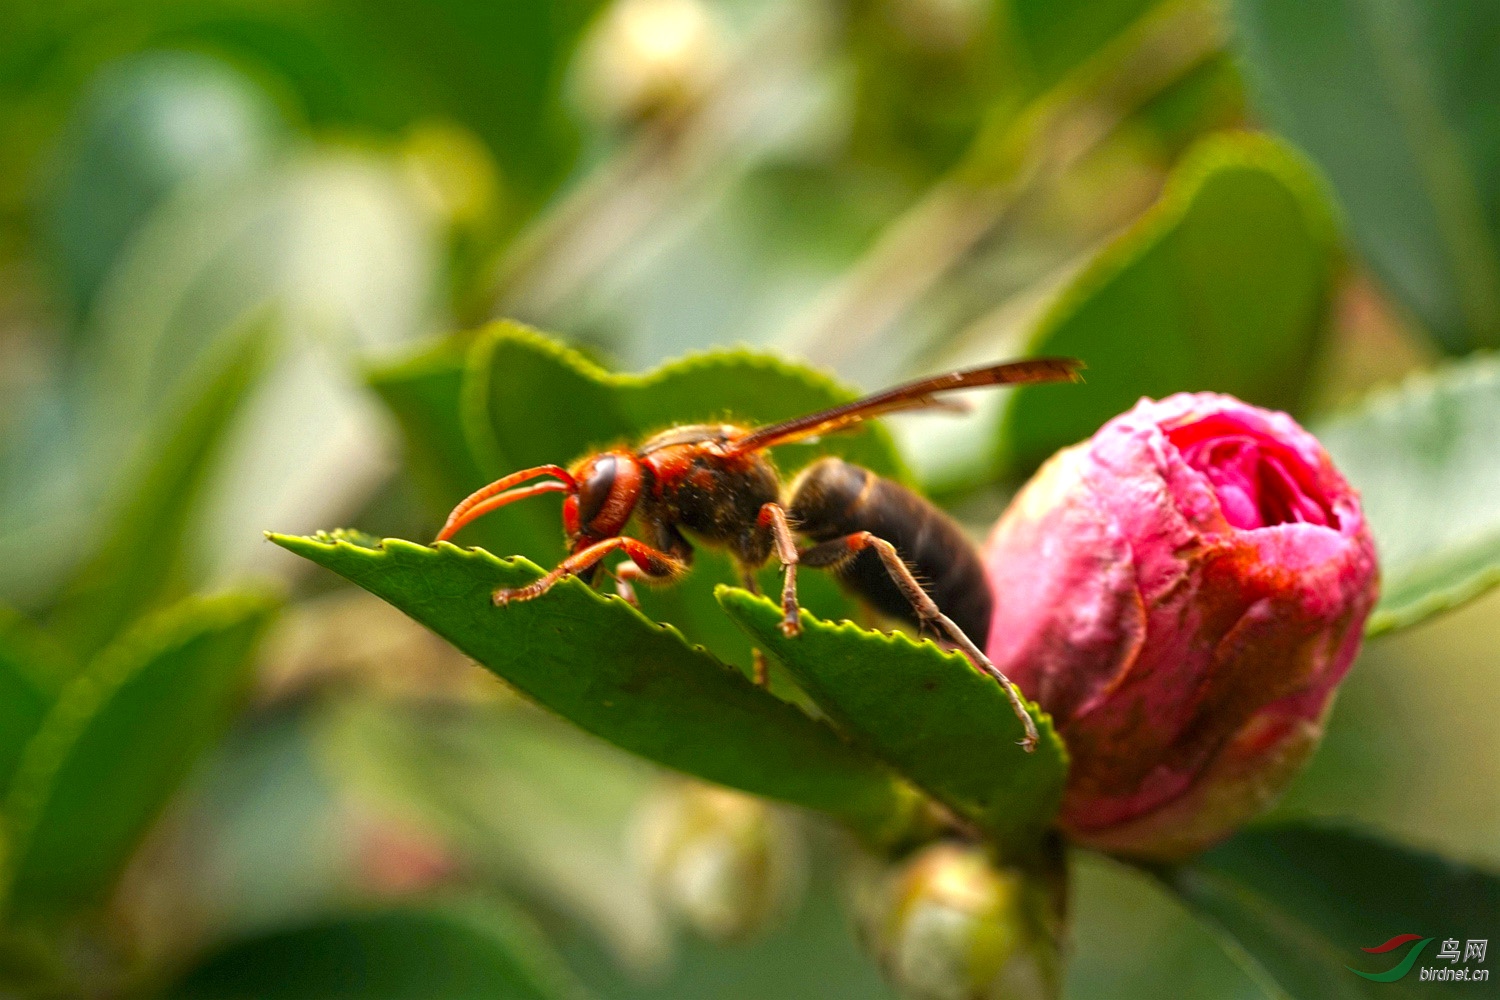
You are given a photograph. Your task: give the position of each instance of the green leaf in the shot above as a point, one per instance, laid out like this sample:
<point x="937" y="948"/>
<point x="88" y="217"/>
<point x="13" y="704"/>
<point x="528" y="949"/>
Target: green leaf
<point x="1423" y="458"/>
<point x="31" y="669"/>
<point x="1221" y="286"/>
<point x="1394" y="101"/>
<point x="1057" y="36"/>
<point x="927" y="713"/>
<point x="122" y="735"/>
<point x="527" y="400"/>
<point x="140" y="556"/>
<point x="409" y="953"/>
<point x="598" y="662"/>
<point x="1296" y="904"/>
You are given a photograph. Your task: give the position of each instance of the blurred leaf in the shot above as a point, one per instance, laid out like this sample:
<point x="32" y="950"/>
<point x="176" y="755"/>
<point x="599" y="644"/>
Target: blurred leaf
<point x="262" y="836"/>
<point x="1424" y="460"/>
<point x="815" y="955"/>
<point x="31" y="669"/>
<point x="1056" y="36"/>
<point x="497" y="67"/>
<point x="1209" y="97"/>
<point x="597" y="661"/>
<point x="1296" y="904"/>
<point x="148" y="125"/>
<point x="134" y="567"/>
<point x="430" y="953"/>
<point x="1394" y="100"/>
<point x="423" y="393"/>
<point x="36" y="653"/>
<point x="928" y="713"/>
<point x="31" y="966"/>
<point x="932" y="74"/>
<point x="118" y="741"/>
<point x="529" y="401"/>
<point x="1221" y="286"/>
<point x="527" y="798"/>
<point x="334" y="245"/>
<point x="926" y="75"/>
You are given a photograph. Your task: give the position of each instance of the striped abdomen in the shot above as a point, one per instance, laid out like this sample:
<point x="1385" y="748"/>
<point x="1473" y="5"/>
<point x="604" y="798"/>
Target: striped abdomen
<point x="832" y="498"/>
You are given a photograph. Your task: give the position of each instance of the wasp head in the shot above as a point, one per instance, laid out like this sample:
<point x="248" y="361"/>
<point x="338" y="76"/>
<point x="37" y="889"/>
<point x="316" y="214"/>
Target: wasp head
<point x="609" y="484"/>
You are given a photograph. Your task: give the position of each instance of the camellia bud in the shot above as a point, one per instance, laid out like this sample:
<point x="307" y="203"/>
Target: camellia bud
<point x="728" y="864"/>
<point x="1183" y="592"/>
<point x="949" y="924"/>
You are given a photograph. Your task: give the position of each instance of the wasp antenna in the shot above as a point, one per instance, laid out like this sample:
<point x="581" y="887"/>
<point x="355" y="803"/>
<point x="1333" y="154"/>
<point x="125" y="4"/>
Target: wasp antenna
<point x="493" y="496"/>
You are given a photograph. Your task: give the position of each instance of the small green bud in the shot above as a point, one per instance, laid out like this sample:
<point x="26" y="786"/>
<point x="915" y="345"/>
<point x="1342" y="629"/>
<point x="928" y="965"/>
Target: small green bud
<point x="950" y="924"/>
<point x="727" y="864"/>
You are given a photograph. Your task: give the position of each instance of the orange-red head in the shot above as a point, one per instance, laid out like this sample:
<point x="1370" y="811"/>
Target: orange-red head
<point x="608" y="486"/>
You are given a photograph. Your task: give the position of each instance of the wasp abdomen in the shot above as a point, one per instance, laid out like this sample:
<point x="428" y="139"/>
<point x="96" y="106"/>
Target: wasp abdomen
<point x="833" y="498"/>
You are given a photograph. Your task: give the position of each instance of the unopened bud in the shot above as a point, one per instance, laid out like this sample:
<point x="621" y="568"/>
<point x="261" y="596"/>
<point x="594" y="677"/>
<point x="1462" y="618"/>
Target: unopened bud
<point x="727" y="864"/>
<point x="643" y="57"/>
<point x="452" y="172"/>
<point x="950" y="924"/>
<point x="1183" y="593"/>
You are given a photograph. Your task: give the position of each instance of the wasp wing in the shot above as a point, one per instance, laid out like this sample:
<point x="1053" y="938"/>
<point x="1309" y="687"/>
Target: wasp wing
<point x="919" y="395"/>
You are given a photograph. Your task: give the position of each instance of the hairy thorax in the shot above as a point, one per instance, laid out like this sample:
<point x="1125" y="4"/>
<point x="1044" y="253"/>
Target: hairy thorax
<point x="695" y="483"/>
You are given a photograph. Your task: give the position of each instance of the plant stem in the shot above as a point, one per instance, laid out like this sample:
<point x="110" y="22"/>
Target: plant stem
<point x="655" y="174"/>
<point x="1058" y="130"/>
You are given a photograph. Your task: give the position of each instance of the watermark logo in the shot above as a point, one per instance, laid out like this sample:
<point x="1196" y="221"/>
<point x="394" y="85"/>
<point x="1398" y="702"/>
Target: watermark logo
<point x="1472" y="955"/>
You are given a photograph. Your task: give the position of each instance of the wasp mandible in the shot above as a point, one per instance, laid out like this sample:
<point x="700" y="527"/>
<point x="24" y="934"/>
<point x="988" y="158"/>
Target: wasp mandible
<point x="716" y="482"/>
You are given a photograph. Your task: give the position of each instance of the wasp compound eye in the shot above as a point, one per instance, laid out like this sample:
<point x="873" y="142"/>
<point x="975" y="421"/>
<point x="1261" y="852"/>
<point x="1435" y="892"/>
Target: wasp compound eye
<point x="597" y="481"/>
<point x="609" y="485"/>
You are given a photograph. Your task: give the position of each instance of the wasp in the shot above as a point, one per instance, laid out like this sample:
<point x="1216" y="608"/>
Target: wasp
<point x="716" y="484"/>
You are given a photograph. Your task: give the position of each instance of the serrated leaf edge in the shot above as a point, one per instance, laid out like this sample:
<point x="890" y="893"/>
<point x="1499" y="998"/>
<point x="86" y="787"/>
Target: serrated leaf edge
<point x="906" y="801"/>
<point x="476" y="380"/>
<point x="335" y="540"/>
<point x="891" y="639"/>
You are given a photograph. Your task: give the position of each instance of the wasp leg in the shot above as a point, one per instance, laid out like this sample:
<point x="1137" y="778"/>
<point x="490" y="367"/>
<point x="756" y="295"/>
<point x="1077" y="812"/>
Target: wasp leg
<point x="651" y="563"/>
<point x="624" y="574"/>
<point x="835" y="553"/>
<point x="773" y="516"/>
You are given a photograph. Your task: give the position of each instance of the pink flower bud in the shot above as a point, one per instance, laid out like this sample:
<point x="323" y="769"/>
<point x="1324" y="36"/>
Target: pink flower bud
<point x="1183" y="592"/>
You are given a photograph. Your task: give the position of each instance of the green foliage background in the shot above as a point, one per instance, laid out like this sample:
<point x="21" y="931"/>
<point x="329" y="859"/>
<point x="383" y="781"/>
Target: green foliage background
<point x="237" y="238"/>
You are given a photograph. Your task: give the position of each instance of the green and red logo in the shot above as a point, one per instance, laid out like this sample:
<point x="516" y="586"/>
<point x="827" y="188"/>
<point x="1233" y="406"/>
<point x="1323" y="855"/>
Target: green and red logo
<point x="1402" y="967"/>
